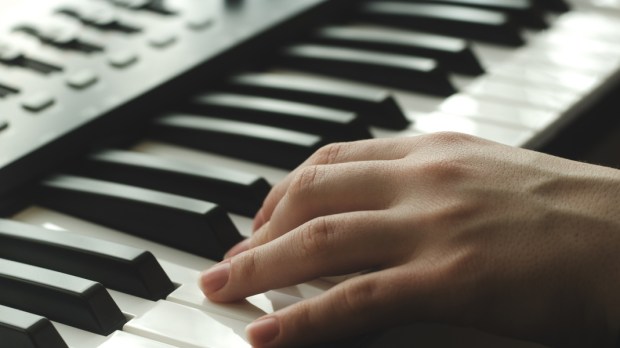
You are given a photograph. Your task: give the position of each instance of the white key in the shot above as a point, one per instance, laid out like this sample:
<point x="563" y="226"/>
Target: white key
<point x="183" y="326"/>
<point x="524" y="94"/>
<point x="440" y="122"/>
<point x="559" y="77"/>
<point x="501" y="112"/>
<point x="124" y="339"/>
<point x="76" y="338"/>
<point x="189" y="294"/>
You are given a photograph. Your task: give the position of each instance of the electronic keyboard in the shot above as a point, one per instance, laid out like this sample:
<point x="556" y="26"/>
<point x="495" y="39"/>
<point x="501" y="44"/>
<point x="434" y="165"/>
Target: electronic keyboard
<point x="139" y="137"/>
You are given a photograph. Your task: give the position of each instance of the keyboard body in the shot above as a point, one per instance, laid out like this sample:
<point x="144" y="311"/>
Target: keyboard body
<point x="108" y="96"/>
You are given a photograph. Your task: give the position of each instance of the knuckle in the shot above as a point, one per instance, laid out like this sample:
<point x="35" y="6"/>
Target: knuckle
<point x="451" y="138"/>
<point x="305" y="180"/>
<point x="244" y="266"/>
<point x="328" y="154"/>
<point x="445" y="169"/>
<point x="316" y="236"/>
<point x="357" y="298"/>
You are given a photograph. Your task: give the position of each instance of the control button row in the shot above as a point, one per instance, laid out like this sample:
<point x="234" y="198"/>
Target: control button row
<point x="12" y="56"/>
<point x="100" y="18"/>
<point x="61" y="37"/>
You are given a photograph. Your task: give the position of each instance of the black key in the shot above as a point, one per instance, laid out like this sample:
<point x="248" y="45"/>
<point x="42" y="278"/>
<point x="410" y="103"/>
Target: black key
<point x="268" y="145"/>
<point x="235" y="191"/>
<point x="374" y="105"/>
<point x="453" y="53"/>
<point x="524" y="12"/>
<point x="60" y="297"/>
<point x="20" y="329"/>
<point x="459" y="21"/>
<point x="334" y="124"/>
<point x="391" y="70"/>
<point x="184" y="223"/>
<point x="116" y="266"/>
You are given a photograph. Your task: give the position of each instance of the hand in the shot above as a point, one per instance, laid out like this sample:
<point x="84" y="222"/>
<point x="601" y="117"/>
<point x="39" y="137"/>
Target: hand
<point x="446" y="228"/>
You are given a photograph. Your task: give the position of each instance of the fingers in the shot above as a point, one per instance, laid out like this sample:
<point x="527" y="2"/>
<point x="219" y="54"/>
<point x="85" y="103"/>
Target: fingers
<point x="366" y="150"/>
<point x="331" y="189"/>
<point x="331" y="245"/>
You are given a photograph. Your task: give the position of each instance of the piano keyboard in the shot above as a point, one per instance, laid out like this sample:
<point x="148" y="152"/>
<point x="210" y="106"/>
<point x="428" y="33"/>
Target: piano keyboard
<point x="134" y="212"/>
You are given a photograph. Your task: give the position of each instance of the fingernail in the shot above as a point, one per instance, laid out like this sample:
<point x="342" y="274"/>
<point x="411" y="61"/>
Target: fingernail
<point x="215" y="277"/>
<point x="263" y="331"/>
<point x="238" y="249"/>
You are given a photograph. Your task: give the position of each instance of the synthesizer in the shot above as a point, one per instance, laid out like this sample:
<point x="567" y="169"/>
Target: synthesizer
<point x="138" y="138"/>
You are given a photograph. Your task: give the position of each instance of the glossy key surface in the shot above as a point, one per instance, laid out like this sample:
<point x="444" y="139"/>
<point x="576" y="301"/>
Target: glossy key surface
<point x="116" y="266"/>
<point x="20" y="329"/>
<point x="453" y="53"/>
<point x="391" y="70"/>
<point x="340" y="125"/>
<point x="189" y="224"/>
<point x="234" y="190"/>
<point x="460" y="21"/>
<point x="374" y="105"/>
<point x="60" y="297"/>
<point x="268" y="145"/>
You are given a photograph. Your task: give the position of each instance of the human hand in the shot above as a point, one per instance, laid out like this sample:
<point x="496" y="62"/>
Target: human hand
<point x="446" y="228"/>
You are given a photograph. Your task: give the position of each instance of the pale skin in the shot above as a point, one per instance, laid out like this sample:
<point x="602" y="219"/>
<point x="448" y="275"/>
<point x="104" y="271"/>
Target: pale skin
<point x="444" y="228"/>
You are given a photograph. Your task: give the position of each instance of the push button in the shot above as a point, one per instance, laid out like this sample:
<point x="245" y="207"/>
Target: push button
<point x="38" y="102"/>
<point x="4" y="124"/>
<point x="82" y="79"/>
<point x="200" y="22"/>
<point x="122" y="59"/>
<point x="162" y="40"/>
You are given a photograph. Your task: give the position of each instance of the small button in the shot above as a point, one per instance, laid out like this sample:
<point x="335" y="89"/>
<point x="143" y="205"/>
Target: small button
<point x="134" y="4"/>
<point x="199" y="22"/>
<point x="82" y="79"/>
<point x="4" y="124"/>
<point x="9" y="53"/>
<point x="38" y="102"/>
<point x="162" y="40"/>
<point x="100" y="17"/>
<point x="122" y="59"/>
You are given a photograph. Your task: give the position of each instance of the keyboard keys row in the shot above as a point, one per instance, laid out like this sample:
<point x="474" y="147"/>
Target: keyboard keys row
<point x="118" y="267"/>
<point x="460" y="21"/>
<point x="331" y="123"/>
<point x="74" y="301"/>
<point x="185" y="223"/>
<point x="375" y="106"/>
<point x="236" y="191"/>
<point x="392" y="70"/>
<point x="20" y="329"/>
